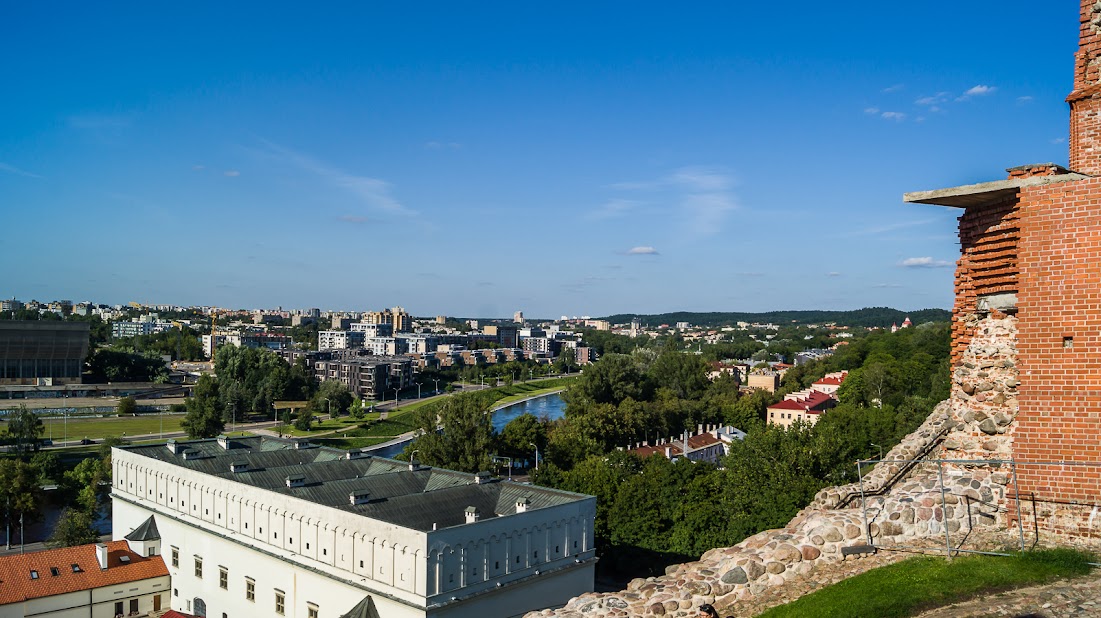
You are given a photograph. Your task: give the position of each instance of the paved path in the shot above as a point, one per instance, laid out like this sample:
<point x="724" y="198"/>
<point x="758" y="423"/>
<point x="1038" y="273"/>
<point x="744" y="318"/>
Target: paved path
<point x="1080" y="597"/>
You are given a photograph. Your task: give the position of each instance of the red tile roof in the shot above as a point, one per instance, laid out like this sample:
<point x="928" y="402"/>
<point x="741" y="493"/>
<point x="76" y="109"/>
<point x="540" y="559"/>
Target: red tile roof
<point x="828" y="381"/>
<point x="16" y="584"/>
<point x="815" y="402"/>
<point x="702" y="440"/>
<point x="175" y="614"/>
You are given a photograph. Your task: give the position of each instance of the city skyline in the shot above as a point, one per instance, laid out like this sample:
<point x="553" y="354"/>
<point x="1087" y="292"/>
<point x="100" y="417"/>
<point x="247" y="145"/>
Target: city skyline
<point x="473" y="161"/>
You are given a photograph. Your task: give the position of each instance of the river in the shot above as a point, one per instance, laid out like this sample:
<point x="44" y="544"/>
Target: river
<point x="549" y="406"/>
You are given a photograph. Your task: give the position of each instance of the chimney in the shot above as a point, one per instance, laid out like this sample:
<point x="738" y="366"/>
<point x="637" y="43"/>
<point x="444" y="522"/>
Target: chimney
<point x="668" y="452"/>
<point x="238" y="466"/>
<point x="482" y="477"/>
<point x="1085" y="100"/>
<point x="699" y="429"/>
<point x="355" y="455"/>
<point x="472" y="514"/>
<point x="101" y="555"/>
<point x="296" y="480"/>
<point x="416" y="465"/>
<point x="359" y="497"/>
<point x="223" y="441"/>
<point x="523" y="504"/>
<point x="172" y="446"/>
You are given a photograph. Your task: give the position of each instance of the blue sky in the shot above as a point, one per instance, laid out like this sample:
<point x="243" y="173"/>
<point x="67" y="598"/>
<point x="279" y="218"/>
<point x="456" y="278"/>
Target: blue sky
<point x="559" y="158"/>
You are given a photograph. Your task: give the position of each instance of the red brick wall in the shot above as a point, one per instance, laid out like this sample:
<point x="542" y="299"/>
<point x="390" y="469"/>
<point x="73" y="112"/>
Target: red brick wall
<point x="1085" y="121"/>
<point x="1060" y="297"/>
<point x="987" y="264"/>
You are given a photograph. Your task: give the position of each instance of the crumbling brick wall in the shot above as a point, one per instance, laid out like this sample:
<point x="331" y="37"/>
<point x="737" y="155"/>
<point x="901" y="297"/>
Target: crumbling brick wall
<point x="987" y="265"/>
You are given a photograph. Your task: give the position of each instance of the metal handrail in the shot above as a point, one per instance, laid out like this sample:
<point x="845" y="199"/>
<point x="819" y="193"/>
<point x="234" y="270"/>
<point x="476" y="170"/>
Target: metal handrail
<point x="897" y="476"/>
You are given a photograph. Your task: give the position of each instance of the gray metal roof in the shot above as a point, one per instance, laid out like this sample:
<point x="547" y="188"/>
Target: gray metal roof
<point x="147" y="531"/>
<point x="423" y="499"/>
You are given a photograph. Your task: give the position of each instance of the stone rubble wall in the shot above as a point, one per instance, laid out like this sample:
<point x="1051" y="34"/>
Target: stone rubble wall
<point x="976" y="423"/>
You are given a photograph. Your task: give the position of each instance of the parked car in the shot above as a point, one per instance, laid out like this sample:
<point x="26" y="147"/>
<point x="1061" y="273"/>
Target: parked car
<point x="87" y="441"/>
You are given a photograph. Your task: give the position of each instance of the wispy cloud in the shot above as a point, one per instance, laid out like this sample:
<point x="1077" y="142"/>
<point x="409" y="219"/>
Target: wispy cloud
<point x="886" y="285"/>
<point x="702" y="194"/>
<point x="889" y="227"/>
<point x="896" y="116"/>
<point x="1059" y="140"/>
<point x="373" y="191"/>
<point x="977" y="91"/>
<point x="97" y="122"/>
<point x="358" y="219"/>
<point x="871" y="110"/>
<point x="641" y="250"/>
<point x="895" y="88"/>
<point x="231" y="173"/>
<point x="11" y="169"/>
<point x="613" y="208"/>
<point x="933" y="100"/>
<point x="833" y="274"/>
<point x="198" y="168"/>
<point x="923" y="262"/>
<point x="434" y="145"/>
<point x="1024" y="99"/>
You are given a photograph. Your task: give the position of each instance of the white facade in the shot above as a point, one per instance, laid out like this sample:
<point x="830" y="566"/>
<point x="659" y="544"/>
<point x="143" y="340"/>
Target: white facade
<point x="339" y="339"/>
<point x="327" y="554"/>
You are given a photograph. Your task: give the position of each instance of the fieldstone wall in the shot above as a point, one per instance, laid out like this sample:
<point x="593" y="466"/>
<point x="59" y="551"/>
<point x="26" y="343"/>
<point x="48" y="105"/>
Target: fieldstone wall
<point x="904" y="504"/>
<point x="984" y="400"/>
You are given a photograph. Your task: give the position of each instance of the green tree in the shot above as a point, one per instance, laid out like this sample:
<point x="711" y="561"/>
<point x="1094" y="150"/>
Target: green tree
<point x="357" y="410"/>
<point x="91" y="479"/>
<point x="683" y="374"/>
<point x="304" y="420"/>
<point x="204" y="417"/>
<point x="74" y="527"/>
<point x="518" y="436"/>
<point x="466" y="439"/>
<point x="128" y="406"/>
<point x="338" y="396"/>
<point x="25" y="429"/>
<point x="19" y="489"/>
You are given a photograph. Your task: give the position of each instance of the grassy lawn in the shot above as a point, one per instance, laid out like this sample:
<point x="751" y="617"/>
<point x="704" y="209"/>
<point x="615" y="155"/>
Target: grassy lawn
<point x="99" y="428"/>
<point x="912" y="586"/>
<point x="326" y="425"/>
<point x="534" y="391"/>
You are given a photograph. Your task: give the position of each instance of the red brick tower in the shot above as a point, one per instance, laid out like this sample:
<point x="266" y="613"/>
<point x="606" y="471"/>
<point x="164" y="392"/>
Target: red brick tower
<point x="1027" y="318"/>
<point x="1085" y="99"/>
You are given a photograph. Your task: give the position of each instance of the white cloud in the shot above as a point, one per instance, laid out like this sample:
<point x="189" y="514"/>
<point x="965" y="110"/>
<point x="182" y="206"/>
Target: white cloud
<point x="1024" y="99"/>
<point x="198" y="168"/>
<point x="231" y="173"/>
<point x="99" y="122"/>
<point x="977" y="91"/>
<point x="1059" y="140"/>
<point x="434" y="145"/>
<point x="642" y="250"/>
<point x="613" y="208"/>
<point x="833" y="274"/>
<point x="886" y="285"/>
<point x="895" y="88"/>
<point x="934" y="100"/>
<point x="374" y="191"/>
<point x="871" y="110"/>
<point x="11" y="169"/>
<point x="702" y="194"/>
<point x="898" y="116"/>
<point x="923" y="262"/>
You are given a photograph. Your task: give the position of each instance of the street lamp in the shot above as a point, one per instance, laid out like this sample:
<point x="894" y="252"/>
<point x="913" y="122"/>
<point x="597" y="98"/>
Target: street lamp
<point x="418" y="390"/>
<point x="880" y="449"/>
<point x="436" y="386"/>
<point x="413" y="456"/>
<point x="328" y="407"/>
<point x="536" y="454"/>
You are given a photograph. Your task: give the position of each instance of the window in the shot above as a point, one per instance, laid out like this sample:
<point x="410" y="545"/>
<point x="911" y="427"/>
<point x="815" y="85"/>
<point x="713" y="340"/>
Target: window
<point x="535" y="555"/>
<point x="118" y="608"/>
<point x="54" y="571"/>
<point x="152" y="551"/>
<point x="223" y="578"/>
<point x="308" y="546"/>
<point x="198" y="567"/>
<point x="175" y="592"/>
<point x="34" y="574"/>
<point x="324" y="552"/>
<point x="250" y="589"/>
<point x="175" y="556"/>
<point x="290" y="540"/>
<point x="133" y="606"/>
<point x="311" y="610"/>
<point x="361" y="564"/>
<point x="76" y="568"/>
<point x="279" y="599"/>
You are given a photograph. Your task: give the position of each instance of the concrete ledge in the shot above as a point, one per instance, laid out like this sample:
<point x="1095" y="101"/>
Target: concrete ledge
<point x="984" y="193"/>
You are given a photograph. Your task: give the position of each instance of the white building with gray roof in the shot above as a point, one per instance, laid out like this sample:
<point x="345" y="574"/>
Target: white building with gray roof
<point x="264" y="526"/>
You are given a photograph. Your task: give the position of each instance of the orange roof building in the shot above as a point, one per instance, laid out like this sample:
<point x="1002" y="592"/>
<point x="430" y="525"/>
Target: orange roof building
<point x="98" y="580"/>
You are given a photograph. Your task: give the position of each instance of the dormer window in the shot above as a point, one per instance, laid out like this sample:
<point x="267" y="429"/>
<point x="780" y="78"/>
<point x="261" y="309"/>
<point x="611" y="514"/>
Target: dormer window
<point x="34" y="574"/>
<point x="54" y="571"/>
<point x="76" y="568"/>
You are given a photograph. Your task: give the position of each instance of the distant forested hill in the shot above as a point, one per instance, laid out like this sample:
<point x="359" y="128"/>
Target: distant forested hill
<point x="869" y="316"/>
